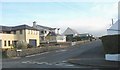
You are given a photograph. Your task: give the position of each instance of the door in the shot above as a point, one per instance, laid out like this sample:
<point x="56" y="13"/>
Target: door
<point x="33" y="42"/>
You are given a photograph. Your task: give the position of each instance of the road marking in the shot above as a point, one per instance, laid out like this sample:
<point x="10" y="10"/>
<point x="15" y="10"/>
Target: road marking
<point x="65" y="64"/>
<point x="26" y="62"/>
<point x="46" y="63"/>
<point x="64" y="61"/>
<point x="39" y="63"/>
<point x="61" y="50"/>
<point x="70" y="65"/>
<point x="36" y="54"/>
<point x="30" y="62"/>
<point x="16" y="57"/>
<point x="44" y="52"/>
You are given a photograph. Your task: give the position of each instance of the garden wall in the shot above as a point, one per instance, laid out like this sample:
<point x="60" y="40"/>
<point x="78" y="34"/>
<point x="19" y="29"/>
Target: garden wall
<point x="30" y="51"/>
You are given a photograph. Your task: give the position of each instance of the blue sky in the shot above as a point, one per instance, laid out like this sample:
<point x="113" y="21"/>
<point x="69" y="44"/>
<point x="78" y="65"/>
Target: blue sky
<point x="85" y="17"/>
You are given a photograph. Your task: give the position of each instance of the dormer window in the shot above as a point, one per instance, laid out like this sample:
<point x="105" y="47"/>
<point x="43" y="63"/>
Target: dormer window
<point x="42" y="32"/>
<point x="45" y="31"/>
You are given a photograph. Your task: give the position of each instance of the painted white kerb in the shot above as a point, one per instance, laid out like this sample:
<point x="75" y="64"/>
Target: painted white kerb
<point x="112" y="57"/>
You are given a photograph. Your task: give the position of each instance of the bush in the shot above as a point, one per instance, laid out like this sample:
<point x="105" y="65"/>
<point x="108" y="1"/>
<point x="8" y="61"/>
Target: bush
<point x="4" y="53"/>
<point x="76" y="38"/>
<point x="29" y="46"/>
<point x="57" y="44"/>
<point x="20" y="45"/>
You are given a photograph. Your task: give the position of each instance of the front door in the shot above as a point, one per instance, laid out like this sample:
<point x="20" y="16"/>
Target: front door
<point x="33" y="42"/>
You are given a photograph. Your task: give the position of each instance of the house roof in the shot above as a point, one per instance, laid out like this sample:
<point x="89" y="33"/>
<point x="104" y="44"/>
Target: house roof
<point x="5" y="28"/>
<point x="70" y="31"/>
<point x="12" y="28"/>
<point x="115" y="26"/>
<point x="44" y="27"/>
<point x="23" y="27"/>
<point x="51" y="34"/>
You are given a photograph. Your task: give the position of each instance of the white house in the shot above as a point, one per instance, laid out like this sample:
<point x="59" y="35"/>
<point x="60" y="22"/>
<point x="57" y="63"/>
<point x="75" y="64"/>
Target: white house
<point x="114" y="29"/>
<point x="70" y="31"/>
<point x="49" y="34"/>
<point x="56" y="38"/>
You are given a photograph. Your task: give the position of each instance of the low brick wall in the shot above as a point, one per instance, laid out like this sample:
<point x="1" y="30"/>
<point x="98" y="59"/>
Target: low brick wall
<point x="30" y="51"/>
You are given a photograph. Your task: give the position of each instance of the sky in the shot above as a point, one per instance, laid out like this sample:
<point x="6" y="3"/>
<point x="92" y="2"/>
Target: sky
<point x="84" y="17"/>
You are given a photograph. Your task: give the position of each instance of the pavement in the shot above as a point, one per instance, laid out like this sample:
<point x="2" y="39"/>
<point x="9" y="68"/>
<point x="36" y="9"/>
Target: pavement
<point x="94" y="58"/>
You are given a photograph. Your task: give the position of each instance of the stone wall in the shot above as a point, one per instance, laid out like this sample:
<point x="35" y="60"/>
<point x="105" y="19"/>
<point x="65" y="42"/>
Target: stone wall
<point x="30" y="51"/>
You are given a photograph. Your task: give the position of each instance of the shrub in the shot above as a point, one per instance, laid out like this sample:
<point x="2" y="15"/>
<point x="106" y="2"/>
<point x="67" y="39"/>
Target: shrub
<point x="4" y="53"/>
<point x="29" y="46"/>
<point x="20" y="45"/>
<point x="76" y="38"/>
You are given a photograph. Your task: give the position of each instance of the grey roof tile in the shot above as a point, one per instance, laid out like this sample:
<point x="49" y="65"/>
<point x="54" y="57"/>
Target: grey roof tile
<point x="13" y="28"/>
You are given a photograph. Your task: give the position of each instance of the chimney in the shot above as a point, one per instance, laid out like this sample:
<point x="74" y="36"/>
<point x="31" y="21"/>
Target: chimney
<point x="34" y="24"/>
<point x="58" y="30"/>
<point x="112" y="21"/>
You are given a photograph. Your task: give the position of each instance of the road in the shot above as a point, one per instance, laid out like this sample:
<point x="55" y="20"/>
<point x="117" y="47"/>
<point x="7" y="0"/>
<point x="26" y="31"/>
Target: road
<point x="52" y="59"/>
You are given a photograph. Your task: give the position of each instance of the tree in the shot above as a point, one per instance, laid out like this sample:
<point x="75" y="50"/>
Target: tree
<point x="76" y="38"/>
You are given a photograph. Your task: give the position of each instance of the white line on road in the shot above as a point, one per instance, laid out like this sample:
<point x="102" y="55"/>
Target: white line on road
<point x="64" y="64"/>
<point x="46" y="63"/>
<point x="61" y="50"/>
<point x="44" y="52"/>
<point x="69" y="65"/>
<point x="34" y="62"/>
<point x="36" y="54"/>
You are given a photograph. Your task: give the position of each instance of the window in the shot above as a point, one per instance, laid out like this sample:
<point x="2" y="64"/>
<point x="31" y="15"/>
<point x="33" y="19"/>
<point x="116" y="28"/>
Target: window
<point x="42" y="38"/>
<point x="42" y="32"/>
<point x="20" y="31"/>
<point x="4" y="43"/>
<point x="8" y="43"/>
<point x="45" y="31"/>
<point x="14" y="32"/>
<point x="14" y="43"/>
